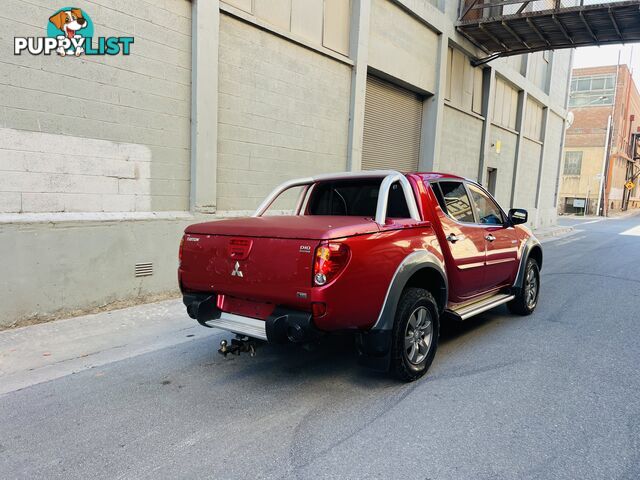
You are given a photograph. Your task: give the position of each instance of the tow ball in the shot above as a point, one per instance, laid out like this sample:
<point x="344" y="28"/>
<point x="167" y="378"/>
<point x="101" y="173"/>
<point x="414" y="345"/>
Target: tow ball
<point x="238" y="345"/>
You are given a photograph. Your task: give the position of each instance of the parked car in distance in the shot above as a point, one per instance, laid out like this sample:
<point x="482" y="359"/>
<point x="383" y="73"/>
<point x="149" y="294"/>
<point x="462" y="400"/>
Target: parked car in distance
<point x="381" y="254"/>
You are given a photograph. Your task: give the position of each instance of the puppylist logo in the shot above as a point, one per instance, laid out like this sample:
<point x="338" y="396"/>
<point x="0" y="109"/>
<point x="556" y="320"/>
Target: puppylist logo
<point x="70" y="32"/>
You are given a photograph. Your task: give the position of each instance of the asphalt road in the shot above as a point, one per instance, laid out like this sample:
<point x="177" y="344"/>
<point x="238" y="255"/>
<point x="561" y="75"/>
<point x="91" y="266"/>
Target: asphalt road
<point x="554" y="395"/>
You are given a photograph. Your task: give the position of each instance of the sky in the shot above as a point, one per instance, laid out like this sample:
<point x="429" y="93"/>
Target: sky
<point x="608" y="55"/>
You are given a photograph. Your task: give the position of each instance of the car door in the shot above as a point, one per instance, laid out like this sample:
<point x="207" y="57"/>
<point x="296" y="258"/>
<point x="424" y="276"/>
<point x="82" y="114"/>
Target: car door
<point x="501" y="238"/>
<point x="465" y="255"/>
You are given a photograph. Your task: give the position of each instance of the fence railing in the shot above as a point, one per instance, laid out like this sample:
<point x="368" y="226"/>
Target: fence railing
<point x="475" y="10"/>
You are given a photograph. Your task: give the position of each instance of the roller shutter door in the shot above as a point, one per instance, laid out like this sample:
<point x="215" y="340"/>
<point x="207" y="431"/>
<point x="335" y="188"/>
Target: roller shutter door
<point x="392" y="124"/>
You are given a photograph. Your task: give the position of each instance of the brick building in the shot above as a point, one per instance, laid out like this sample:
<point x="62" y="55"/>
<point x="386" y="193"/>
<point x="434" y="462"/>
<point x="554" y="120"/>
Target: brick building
<point x="105" y="159"/>
<point x="597" y="93"/>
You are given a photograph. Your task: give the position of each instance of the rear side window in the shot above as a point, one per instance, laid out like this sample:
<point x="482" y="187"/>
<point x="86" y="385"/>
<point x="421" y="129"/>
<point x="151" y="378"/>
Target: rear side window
<point x="438" y="194"/>
<point x="357" y="198"/>
<point x="456" y="201"/>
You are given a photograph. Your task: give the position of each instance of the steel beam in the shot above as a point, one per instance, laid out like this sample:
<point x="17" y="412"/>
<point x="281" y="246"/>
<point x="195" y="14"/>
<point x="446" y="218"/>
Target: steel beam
<point x="514" y="34"/>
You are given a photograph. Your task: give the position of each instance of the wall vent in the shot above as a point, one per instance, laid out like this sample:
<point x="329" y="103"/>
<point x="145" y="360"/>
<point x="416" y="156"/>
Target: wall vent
<point x="144" y="269"/>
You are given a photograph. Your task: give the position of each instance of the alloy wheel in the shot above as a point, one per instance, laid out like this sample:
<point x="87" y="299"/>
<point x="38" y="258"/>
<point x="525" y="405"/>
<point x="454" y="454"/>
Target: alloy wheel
<point x="418" y="335"/>
<point x="531" y="289"/>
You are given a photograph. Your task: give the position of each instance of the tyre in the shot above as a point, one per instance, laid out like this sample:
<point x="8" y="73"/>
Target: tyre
<point x="415" y="334"/>
<point x="527" y="298"/>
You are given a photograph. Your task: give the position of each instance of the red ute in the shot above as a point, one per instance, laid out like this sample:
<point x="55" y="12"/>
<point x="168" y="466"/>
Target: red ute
<point x="380" y="254"/>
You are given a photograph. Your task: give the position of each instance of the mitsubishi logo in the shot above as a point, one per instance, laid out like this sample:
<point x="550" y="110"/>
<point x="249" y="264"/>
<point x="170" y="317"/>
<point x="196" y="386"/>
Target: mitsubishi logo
<point x="236" y="271"/>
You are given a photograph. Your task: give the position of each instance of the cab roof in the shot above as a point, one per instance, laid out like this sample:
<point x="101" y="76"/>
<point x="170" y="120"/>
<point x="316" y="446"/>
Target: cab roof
<point x="439" y="176"/>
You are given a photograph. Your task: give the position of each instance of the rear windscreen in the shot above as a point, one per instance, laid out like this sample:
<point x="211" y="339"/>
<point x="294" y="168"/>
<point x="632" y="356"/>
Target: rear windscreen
<point x="355" y="198"/>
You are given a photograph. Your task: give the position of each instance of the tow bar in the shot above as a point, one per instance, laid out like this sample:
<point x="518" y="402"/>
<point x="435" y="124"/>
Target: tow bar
<point x="238" y="345"/>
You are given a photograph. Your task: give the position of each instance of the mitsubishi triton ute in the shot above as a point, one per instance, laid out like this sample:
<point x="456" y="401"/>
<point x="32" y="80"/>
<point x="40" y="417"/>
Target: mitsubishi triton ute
<point x="382" y="255"/>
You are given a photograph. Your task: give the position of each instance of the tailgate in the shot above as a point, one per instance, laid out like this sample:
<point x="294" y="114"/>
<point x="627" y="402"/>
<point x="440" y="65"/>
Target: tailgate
<point x="273" y="270"/>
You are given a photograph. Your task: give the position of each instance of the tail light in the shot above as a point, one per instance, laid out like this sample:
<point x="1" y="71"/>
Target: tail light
<point x="180" y="250"/>
<point x="330" y="260"/>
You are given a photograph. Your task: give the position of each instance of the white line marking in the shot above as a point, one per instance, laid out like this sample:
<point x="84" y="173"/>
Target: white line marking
<point x="634" y="231"/>
<point x="591" y="221"/>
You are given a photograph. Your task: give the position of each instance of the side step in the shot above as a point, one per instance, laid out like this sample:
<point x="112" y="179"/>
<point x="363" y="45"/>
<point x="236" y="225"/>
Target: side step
<point x="468" y="311"/>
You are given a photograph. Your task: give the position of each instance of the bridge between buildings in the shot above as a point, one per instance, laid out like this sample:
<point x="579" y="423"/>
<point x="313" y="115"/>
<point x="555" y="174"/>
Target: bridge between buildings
<point x="513" y="27"/>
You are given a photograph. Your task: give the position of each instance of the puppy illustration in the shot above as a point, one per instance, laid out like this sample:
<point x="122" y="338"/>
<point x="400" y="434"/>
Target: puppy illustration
<point x="69" y="21"/>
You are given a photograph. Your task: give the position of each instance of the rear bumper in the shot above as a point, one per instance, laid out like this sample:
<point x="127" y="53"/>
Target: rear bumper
<point x="283" y="325"/>
<point x="250" y="327"/>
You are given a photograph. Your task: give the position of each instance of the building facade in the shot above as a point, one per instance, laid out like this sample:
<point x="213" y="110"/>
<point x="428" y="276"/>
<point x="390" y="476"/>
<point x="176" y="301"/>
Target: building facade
<point x="105" y="159"/>
<point x="597" y="166"/>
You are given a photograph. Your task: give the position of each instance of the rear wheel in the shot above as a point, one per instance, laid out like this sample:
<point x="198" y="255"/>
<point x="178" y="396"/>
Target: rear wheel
<point x="527" y="298"/>
<point x="415" y="334"/>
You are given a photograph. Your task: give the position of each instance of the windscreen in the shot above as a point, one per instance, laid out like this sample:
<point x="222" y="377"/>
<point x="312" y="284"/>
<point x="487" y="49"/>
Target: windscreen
<point x="357" y="198"/>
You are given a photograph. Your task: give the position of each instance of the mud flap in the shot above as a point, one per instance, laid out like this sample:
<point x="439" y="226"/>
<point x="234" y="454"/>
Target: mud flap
<point x="374" y="349"/>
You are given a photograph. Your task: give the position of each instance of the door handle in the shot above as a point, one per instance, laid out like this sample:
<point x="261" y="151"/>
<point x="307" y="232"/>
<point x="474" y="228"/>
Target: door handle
<point x="453" y="238"/>
<point x="490" y="238"/>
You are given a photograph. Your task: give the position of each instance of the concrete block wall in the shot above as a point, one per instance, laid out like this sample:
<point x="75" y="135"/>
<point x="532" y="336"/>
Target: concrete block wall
<point x="283" y="113"/>
<point x="460" y="147"/>
<point x="527" y="178"/>
<point x="393" y="46"/>
<point x="44" y="172"/>
<point x="97" y="133"/>
<point x="558" y="90"/>
<point x="503" y="161"/>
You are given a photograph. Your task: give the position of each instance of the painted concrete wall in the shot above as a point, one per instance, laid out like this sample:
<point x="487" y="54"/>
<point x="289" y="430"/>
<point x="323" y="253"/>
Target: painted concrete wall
<point x="54" y="269"/>
<point x="561" y="70"/>
<point x="401" y="46"/>
<point x="322" y="22"/>
<point x="283" y="113"/>
<point x="503" y="161"/>
<point x="527" y="177"/>
<point x="132" y="110"/>
<point x="461" y="143"/>
<point x="93" y="137"/>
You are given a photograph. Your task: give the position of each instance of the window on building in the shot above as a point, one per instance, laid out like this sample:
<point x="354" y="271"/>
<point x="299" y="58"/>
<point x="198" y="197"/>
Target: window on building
<point x="572" y="163"/>
<point x="592" y="90"/>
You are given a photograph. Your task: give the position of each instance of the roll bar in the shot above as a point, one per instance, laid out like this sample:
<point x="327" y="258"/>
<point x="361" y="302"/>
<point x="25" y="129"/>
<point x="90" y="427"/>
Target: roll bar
<point x="389" y="177"/>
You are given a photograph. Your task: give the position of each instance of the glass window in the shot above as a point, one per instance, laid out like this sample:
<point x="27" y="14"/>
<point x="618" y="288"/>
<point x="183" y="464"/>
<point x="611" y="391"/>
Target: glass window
<point x="438" y="194"/>
<point x="590" y="99"/>
<point x="357" y="198"/>
<point x="345" y="197"/>
<point x="488" y="212"/>
<point x="457" y="201"/>
<point x="572" y="163"/>
<point x="593" y="90"/>
<point x="610" y="81"/>
<point x="584" y="84"/>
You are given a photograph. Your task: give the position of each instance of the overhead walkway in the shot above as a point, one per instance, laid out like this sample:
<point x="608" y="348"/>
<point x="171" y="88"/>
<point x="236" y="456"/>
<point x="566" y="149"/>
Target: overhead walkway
<point x="512" y="27"/>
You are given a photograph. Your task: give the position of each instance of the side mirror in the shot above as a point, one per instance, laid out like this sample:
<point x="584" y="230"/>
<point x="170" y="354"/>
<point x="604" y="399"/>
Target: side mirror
<point x="518" y="216"/>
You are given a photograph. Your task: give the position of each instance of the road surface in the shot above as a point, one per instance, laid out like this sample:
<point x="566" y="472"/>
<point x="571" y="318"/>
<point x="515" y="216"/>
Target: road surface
<point x="554" y="395"/>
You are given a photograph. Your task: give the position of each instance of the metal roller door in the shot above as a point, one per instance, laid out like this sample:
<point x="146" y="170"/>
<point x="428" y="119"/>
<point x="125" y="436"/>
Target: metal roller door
<point x="392" y="124"/>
